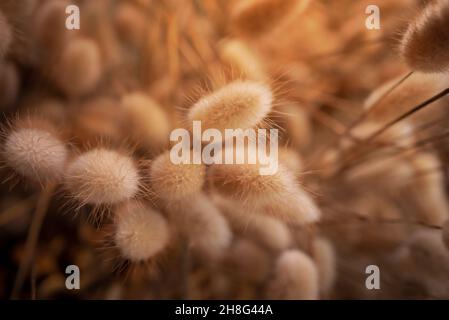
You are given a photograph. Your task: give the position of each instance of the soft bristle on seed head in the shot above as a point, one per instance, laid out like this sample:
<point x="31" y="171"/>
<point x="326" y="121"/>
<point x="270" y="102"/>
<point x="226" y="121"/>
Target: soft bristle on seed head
<point x="140" y="231"/>
<point x="295" y="278"/>
<point x="172" y="181"/>
<point x="102" y="176"/>
<point x="425" y="44"/>
<point x="238" y="105"/>
<point x="79" y="68"/>
<point x="35" y="153"/>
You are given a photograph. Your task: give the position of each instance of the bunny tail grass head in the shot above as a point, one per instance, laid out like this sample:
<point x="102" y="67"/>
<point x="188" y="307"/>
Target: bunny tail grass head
<point x="295" y="277"/>
<point x="278" y="195"/>
<point x="130" y="23"/>
<point x="270" y="232"/>
<point x="425" y="44"/>
<point x="79" y="67"/>
<point x="102" y="176"/>
<point x="49" y="27"/>
<point x="148" y="122"/>
<point x="172" y="181"/>
<point x="239" y="105"/>
<point x="140" y="231"/>
<point x="242" y="59"/>
<point x="206" y="229"/>
<point x="33" y="150"/>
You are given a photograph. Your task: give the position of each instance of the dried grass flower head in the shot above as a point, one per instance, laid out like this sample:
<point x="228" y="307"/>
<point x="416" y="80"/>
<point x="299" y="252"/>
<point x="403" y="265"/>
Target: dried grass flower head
<point x="50" y="32"/>
<point x="102" y="176"/>
<point x="33" y="149"/>
<point x="278" y="194"/>
<point x="79" y="67"/>
<point x="240" y="104"/>
<point x="140" y="231"/>
<point x="295" y="277"/>
<point x="242" y="60"/>
<point x="172" y="182"/>
<point x="204" y="226"/>
<point x="425" y="44"/>
<point x="148" y="122"/>
<point x="267" y="231"/>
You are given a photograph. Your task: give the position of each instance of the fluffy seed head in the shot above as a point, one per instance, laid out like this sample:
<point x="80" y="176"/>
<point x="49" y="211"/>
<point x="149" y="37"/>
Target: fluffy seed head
<point x="35" y="153"/>
<point x="175" y="181"/>
<point x="242" y="59"/>
<point x="140" y="231"/>
<point x="198" y="218"/>
<point x="79" y="68"/>
<point x="130" y="23"/>
<point x="240" y="104"/>
<point x="295" y="278"/>
<point x="268" y="231"/>
<point x="148" y="122"/>
<point x="425" y="44"/>
<point x="102" y="176"/>
<point x="276" y="194"/>
<point x="50" y="29"/>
